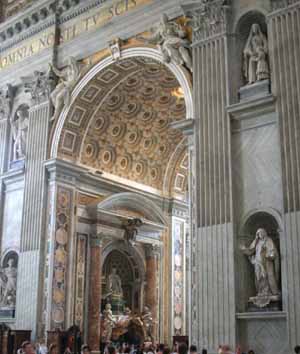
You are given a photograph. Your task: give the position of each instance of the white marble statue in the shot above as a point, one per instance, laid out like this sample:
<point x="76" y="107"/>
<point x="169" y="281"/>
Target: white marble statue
<point x="61" y="95"/>
<point x="172" y="41"/>
<point x="108" y="324"/>
<point x="255" y="65"/>
<point x="147" y="321"/>
<point x="6" y="98"/>
<point x="19" y="129"/>
<point x="114" y="284"/>
<point x="8" y="284"/>
<point x="264" y="256"/>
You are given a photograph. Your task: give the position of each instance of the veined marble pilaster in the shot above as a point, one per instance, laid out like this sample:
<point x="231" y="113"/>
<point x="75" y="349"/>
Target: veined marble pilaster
<point x="284" y="38"/>
<point x="213" y="297"/>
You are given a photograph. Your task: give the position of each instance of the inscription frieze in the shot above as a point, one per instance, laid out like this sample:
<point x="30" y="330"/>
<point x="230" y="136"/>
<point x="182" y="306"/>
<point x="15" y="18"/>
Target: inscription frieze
<point x="69" y="32"/>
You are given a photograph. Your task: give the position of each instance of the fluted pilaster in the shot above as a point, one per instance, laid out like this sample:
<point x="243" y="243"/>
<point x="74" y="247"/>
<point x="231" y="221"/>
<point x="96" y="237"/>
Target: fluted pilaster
<point x="213" y="297"/>
<point x="33" y="224"/>
<point x="284" y="29"/>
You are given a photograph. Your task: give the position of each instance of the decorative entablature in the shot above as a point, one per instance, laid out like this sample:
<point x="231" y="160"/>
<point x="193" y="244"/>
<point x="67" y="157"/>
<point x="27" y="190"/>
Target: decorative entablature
<point x="281" y="4"/>
<point x="40" y="16"/>
<point x="24" y="25"/>
<point x="208" y="19"/>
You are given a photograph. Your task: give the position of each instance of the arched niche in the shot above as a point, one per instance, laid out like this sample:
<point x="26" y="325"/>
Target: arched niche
<point x="245" y="270"/>
<point x="9" y="254"/>
<point x="242" y="31"/>
<point x="130" y="267"/>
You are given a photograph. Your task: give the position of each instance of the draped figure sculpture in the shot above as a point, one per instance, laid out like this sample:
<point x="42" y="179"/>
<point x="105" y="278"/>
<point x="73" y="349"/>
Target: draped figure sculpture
<point x="61" y="95"/>
<point x="264" y="256"/>
<point x="172" y="41"/>
<point x="19" y="129"/>
<point x="255" y="62"/>
<point x="8" y="284"/>
<point x="114" y="284"/>
<point x="108" y="324"/>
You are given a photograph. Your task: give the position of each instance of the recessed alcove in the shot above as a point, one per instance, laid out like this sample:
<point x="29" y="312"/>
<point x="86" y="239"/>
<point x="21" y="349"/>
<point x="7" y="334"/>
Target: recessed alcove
<point x="242" y="31"/>
<point x="245" y="275"/>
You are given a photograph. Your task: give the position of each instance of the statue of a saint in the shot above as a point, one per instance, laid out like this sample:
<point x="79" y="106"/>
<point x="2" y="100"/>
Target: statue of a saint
<point x="147" y="321"/>
<point x="8" y="284"/>
<point x="255" y="65"/>
<point x="108" y="323"/>
<point x="264" y="256"/>
<point x="172" y="41"/>
<point x="19" y="129"/>
<point x="6" y="98"/>
<point x="114" y="284"/>
<point x="61" y="95"/>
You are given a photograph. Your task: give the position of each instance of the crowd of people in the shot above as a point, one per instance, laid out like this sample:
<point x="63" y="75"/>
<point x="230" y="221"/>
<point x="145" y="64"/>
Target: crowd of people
<point x="147" y="348"/>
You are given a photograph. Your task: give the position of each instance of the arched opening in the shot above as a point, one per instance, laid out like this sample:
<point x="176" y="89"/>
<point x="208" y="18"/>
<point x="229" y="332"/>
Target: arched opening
<point x="118" y="130"/>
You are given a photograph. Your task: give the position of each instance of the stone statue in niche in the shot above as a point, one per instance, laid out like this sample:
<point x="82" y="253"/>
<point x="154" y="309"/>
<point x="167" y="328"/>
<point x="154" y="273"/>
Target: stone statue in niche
<point x="172" y="41"/>
<point x="19" y="127"/>
<point x="147" y="321"/>
<point x="264" y="256"/>
<point x="108" y="323"/>
<point x="8" y="284"/>
<point x="6" y="99"/>
<point x="61" y="95"/>
<point x="255" y="62"/>
<point x="114" y="284"/>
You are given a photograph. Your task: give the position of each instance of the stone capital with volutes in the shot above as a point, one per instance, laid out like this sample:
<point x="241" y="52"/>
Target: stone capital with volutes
<point x="208" y="18"/>
<point x="152" y="250"/>
<point x="39" y="86"/>
<point x="282" y="4"/>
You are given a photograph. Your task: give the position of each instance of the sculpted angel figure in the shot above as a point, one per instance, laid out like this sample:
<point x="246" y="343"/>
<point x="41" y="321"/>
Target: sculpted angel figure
<point x="264" y="256"/>
<point x="61" y="95"/>
<point x="172" y="41"/>
<point x="19" y="129"/>
<point x="255" y="65"/>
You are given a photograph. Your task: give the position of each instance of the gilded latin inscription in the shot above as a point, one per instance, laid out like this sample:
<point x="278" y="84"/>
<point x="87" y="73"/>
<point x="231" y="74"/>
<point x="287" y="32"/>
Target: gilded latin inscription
<point x="46" y="40"/>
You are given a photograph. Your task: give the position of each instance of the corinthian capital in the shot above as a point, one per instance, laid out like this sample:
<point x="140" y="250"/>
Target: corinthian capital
<point x="6" y="101"/>
<point x="280" y="4"/>
<point x="39" y="85"/>
<point x="207" y="18"/>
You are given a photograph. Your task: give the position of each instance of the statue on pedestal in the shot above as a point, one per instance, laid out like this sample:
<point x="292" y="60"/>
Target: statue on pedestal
<point x="172" y="41"/>
<point x="19" y="129"/>
<point x="264" y="256"/>
<point x="255" y="64"/>
<point x="8" y="284"/>
<point x="114" y="284"/>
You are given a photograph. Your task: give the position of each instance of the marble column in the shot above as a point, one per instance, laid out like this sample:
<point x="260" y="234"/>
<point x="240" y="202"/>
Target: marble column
<point x="151" y="290"/>
<point x="29" y="287"/>
<point x="94" y="306"/>
<point x="284" y="43"/>
<point x="213" y="298"/>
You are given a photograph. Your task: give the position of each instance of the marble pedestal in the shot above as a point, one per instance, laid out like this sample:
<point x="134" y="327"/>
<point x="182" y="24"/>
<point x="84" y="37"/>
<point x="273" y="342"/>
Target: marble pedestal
<point x="256" y="90"/>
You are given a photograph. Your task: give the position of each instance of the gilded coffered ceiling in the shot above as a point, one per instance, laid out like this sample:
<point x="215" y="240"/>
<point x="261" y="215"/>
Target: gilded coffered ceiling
<point x="119" y="124"/>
